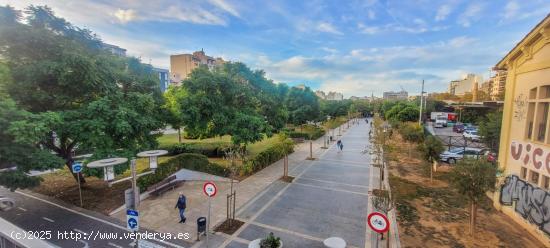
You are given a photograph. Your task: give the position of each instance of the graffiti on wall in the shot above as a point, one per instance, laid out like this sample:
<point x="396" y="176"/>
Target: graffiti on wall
<point x="537" y="158"/>
<point x="520" y="107"/>
<point x="532" y="203"/>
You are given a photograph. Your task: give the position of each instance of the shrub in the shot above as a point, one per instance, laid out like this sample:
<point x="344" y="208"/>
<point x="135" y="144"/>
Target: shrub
<point x="412" y="132"/>
<point x="211" y="150"/>
<point x="267" y="157"/>
<point x="191" y="161"/>
<point x="307" y="133"/>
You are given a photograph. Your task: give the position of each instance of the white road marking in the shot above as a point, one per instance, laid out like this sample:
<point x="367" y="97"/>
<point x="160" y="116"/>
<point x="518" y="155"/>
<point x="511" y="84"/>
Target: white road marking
<point x="331" y="189"/>
<point x="48" y="219"/>
<point x="114" y="245"/>
<point x="326" y="181"/>
<point x="22" y="209"/>
<point x="91" y="217"/>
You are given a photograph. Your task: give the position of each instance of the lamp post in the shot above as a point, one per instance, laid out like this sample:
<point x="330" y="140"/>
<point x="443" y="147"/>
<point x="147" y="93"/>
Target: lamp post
<point x="108" y="165"/>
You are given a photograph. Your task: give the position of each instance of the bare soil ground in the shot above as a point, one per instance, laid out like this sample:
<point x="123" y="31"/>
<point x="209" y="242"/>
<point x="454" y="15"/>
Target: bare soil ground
<point x="433" y="214"/>
<point x="96" y="194"/>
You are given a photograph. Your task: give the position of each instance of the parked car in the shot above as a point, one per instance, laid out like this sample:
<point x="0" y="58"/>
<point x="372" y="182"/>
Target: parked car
<point x="459" y="153"/>
<point x="458" y="128"/>
<point x="471" y="135"/>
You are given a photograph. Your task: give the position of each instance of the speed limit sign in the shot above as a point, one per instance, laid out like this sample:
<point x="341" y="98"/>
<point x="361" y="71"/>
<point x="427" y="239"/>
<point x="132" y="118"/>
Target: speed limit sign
<point x="378" y="222"/>
<point x="209" y="188"/>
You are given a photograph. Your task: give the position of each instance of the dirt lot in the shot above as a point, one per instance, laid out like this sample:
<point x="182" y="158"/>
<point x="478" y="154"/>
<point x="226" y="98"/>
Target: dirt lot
<point x="435" y="215"/>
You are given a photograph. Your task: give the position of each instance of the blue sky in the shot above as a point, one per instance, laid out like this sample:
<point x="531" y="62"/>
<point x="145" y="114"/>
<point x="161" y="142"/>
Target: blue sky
<point x="349" y="46"/>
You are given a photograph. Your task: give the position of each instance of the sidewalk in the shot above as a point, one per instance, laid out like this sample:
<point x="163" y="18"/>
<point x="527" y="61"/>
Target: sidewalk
<point x="158" y="213"/>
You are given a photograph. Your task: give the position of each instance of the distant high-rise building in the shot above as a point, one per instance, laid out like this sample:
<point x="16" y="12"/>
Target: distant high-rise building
<point x="396" y="95"/>
<point x="181" y="65"/>
<point x="498" y="86"/>
<point x="164" y="78"/>
<point x="320" y="94"/>
<point x="332" y="96"/>
<point x="116" y="50"/>
<point x="465" y="85"/>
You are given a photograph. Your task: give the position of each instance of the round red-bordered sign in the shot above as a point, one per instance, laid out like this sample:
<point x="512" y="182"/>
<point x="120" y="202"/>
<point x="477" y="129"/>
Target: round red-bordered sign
<point x="378" y="222"/>
<point x="209" y="189"/>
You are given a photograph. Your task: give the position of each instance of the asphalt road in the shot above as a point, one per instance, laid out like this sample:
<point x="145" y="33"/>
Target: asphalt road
<point x="41" y="215"/>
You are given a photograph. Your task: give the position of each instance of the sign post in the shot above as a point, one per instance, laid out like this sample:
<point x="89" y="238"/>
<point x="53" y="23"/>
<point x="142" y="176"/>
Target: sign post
<point x="77" y="168"/>
<point x="210" y="190"/>
<point x="379" y="223"/>
<point x="132" y="223"/>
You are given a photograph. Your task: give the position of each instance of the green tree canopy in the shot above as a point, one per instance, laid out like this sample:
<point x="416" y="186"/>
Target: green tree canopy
<point x="302" y="105"/>
<point x="79" y="96"/>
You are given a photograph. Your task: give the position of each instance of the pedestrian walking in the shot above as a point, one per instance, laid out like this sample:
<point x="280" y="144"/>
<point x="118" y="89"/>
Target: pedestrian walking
<point x="181" y="205"/>
<point x="341" y="146"/>
<point x="338" y="143"/>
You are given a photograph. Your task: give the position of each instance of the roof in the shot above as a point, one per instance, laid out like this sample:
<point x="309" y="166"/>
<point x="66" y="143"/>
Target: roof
<point x="523" y="41"/>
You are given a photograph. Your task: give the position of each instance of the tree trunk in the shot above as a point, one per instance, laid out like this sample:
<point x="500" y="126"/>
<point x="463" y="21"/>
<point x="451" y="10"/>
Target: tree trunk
<point x="179" y="135"/>
<point x="473" y="212"/>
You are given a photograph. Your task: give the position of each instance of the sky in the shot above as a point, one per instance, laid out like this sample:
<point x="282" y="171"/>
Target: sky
<point x="354" y="47"/>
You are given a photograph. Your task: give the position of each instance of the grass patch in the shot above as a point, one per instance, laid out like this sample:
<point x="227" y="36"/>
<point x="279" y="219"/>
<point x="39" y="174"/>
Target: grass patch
<point x="167" y="140"/>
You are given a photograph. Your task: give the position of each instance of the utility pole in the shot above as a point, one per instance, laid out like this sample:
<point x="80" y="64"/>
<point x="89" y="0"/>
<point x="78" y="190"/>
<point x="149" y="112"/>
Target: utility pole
<point x="421" y="101"/>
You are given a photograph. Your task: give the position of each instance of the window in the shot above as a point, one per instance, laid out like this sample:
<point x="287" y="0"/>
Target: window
<point x="538" y="111"/>
<point x="533" y="93"/>
<point x="546" y="182"/>
<point x="534" y="178"/>
<point x="530" y="116"/>
<point x="545" y="92"/>
<point x="523" y="173"/>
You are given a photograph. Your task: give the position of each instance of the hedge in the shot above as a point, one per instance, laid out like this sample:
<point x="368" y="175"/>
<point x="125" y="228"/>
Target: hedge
<point x="267" y="157"/>
<point x="315" y="134"/>
<point x="191" y="161"/>
<point x="211" y="150"/>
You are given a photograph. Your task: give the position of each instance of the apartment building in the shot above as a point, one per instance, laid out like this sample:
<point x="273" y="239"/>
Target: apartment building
<point x="181" y="65"/>
<point x="498" y="86"/>
<point x="395" y="95"/>
<point x="464" y="85"/>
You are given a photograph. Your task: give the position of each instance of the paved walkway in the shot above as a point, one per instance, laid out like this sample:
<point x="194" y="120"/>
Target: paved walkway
<point x="158" y="213"/>
<point x="329" y="197"/>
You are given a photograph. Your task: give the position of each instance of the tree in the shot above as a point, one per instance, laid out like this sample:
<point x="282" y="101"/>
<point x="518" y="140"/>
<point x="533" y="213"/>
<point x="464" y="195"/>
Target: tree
<point x="431" y="148"/>
<point x="218" y="104"/>
<point x="172" y="97"/>
<point x="473" y="178"/>
<point x="302" y="105"/>
<point x="489" y="129"/>
<point x="79" y="96"/>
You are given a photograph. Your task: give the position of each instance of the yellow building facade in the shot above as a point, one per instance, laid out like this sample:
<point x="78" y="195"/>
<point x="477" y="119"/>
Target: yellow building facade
<point x="523" y="190"/>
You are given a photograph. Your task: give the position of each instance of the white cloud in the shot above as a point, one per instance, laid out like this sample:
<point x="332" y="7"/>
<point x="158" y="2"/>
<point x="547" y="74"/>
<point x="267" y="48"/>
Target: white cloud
<point x="328" y="28"/>
<point x="125" y="16"/>
<point x="225" y="6"/>
<point x="329" y="50"/>
<point x="368" y="29"/>
<point x="461" y="41"/>
<point x="471" y="14"/>
<point x="213" y="12"/>
<point x="511" y="10"/>
<point x="443" y="12"/>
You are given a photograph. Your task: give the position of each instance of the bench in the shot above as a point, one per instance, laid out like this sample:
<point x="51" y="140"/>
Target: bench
<point x="165" y="185"/>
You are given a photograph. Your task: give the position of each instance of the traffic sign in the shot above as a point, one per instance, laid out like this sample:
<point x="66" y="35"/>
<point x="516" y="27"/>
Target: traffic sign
<point x="77" y="167"/>
<point x="209" y="188"/>
<point x="378" y="222"/>
<point x="132" y="219"/>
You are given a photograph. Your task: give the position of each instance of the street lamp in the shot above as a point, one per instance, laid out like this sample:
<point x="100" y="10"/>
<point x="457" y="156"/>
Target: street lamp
<point x="108" y="166"/>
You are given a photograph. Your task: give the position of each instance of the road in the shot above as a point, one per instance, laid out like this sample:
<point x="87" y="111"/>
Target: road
<point x="451" y="139"/>
<point x="328" y="197"/>
<point x="34" y="213"/>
